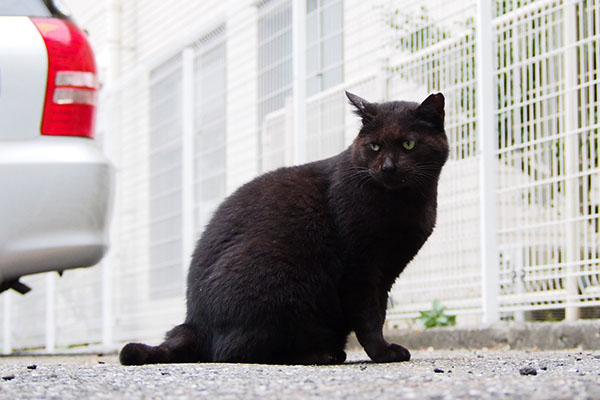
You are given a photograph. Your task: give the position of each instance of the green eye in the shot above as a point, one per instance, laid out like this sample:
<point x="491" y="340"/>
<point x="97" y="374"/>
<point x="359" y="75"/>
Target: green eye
<point x="374" y="146"/>
<point x="408" y="144"/>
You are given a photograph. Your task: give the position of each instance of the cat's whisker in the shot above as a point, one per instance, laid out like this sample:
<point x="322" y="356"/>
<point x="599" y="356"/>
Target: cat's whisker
<point x="364" y="179"/>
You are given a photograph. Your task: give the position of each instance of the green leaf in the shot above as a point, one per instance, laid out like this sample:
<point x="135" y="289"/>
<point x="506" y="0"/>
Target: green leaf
<point x="429" y="323"/>
<point x="436" y="316"/>
<point x="429" y="314"/>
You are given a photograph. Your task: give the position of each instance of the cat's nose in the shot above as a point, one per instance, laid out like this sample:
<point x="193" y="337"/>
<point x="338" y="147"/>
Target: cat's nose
<point x="388" y="165"/>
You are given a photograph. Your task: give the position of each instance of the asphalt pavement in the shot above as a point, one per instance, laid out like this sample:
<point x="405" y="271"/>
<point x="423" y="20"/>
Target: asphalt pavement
<point x="431" y="374"/>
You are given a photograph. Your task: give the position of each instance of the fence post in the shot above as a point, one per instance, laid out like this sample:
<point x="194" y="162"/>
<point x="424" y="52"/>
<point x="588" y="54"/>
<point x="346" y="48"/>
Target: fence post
<point x="299" y="86"/>
<point x="6" y="342"/>
<point x="108" y="121"/>
<point x="488" y="177"/>
<point x="571" y="159"/>
<point x="50" y="312"/>
<point x="187" y="159"/>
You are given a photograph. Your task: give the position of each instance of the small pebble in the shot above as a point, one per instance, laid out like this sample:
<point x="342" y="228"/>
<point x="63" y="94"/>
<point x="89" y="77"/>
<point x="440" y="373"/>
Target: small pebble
<point x="528" y="371"/>
<point x="32" y="366"/>
<point x="8" y="377"/>
<point x="101" y="362"/>
<point x="438" y="370"/>
<point x="362" y="367"/>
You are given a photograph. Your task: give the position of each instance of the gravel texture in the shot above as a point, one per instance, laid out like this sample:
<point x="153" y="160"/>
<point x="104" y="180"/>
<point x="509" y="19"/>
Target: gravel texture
<point x="438" y="374"/>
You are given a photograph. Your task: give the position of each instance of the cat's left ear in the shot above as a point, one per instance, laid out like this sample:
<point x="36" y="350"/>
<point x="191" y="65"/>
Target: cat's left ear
<point x="432" y="109"/>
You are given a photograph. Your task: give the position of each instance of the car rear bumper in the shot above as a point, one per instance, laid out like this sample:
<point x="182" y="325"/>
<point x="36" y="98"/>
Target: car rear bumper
<point x="55" y="205"/>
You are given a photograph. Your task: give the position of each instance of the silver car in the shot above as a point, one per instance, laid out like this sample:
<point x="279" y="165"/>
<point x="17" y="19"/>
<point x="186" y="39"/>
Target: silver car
<point x="55" y="182"/>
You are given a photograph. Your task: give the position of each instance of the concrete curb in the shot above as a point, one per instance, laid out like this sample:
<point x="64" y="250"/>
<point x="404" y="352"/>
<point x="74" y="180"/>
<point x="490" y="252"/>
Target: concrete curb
<point x="584" y="335"/>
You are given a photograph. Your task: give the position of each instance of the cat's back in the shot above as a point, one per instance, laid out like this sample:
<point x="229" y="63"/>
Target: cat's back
<point x="297" y="191"/>
<point x="285" y="211"/>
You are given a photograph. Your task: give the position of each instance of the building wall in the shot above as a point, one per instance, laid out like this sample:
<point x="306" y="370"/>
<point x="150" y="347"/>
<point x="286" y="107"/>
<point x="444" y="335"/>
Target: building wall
<point x="152" y="74"/>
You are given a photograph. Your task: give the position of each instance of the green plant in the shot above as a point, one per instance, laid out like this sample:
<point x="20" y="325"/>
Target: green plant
<point x="415" y="31"/>
<point x="436" y="316"/>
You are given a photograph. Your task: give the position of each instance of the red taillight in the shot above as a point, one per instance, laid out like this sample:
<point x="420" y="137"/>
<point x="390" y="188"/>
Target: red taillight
<point x="72" y="84"/>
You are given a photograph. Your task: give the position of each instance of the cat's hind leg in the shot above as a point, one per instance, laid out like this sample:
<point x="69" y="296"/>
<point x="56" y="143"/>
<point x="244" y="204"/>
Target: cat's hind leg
<point x="245" y="345"/>
<point x="264" y="346"/>
<point x="318" y="358"/>
<point x="180" y="346"/>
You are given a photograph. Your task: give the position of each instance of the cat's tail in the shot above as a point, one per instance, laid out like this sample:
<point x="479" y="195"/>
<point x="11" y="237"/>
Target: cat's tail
<point x="180" y="346"/>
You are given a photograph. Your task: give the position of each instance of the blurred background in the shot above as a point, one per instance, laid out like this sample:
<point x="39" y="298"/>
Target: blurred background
<point x="198" y="97"/>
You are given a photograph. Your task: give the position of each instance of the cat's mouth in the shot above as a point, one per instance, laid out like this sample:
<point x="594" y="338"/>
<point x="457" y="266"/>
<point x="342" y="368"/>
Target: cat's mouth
<point x="392" y="182"/>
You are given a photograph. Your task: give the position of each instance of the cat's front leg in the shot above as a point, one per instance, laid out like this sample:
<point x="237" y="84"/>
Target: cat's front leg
<point x="369" y="317"/>
<point x="379" y="350"/>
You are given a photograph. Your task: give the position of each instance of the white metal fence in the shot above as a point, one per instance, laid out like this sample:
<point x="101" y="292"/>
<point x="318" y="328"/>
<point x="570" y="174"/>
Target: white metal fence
<point x="519" y="200"/>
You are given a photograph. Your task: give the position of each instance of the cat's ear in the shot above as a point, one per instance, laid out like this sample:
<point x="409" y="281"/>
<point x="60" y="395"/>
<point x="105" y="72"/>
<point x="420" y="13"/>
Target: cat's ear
<point x="432" y="110"/>
<point x="367" y="111"/>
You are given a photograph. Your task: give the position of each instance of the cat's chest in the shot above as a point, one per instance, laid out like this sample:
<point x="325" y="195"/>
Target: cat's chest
<point x="391" y="219"/>
<point x="387" y="242"/>
<point x="400" y="232"/>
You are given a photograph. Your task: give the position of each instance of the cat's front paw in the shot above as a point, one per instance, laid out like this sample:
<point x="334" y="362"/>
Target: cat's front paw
<point x="391" y="353"/>
<point x="135" y="354"/>
<point x="338" y="357"/>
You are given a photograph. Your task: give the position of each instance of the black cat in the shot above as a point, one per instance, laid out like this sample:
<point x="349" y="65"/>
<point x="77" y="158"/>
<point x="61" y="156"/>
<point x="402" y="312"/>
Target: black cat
<point x="296" y="259"/>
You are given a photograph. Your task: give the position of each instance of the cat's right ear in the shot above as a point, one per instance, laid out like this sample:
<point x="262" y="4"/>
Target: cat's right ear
<point x="432" y="110"/>
<point x="367" y="111"/>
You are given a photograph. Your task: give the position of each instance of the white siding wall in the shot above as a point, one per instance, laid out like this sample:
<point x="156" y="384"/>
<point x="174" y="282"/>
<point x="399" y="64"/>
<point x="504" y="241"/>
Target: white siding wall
<point x="242" y="113"/>
<point x="392" y="49"/>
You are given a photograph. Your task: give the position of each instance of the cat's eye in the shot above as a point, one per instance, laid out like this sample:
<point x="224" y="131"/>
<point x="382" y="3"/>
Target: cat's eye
<point x="374" y="146"/>
<point x="408" y="144"/>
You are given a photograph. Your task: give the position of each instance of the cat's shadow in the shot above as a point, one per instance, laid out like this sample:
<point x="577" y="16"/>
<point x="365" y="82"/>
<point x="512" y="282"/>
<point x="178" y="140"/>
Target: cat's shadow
<point x="355" y="362"/>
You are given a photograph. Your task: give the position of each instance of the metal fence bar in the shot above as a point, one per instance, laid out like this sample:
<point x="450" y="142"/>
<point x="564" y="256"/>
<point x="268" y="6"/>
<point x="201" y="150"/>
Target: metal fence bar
<point x="488" y="179"/>
<point x="50" y="312"/>
<point x="187" y="161"/>
<point x="299" y="85"/>
<point x="571" y="157"/>
<point x="6" y="310"/>
<point x="107" y="314"/>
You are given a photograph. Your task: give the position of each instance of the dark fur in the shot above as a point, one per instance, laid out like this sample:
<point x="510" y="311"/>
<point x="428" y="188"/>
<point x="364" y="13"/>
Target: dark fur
<point x="296" y="259"/>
